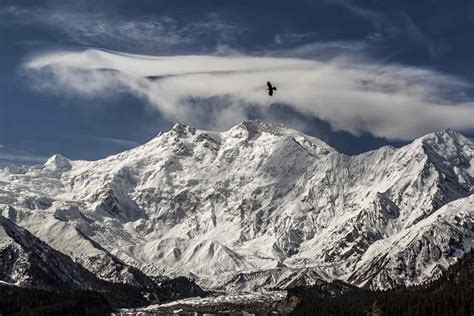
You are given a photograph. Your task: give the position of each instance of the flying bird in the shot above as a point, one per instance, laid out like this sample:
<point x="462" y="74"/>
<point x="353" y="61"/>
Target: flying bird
<point x="270" y="88"/>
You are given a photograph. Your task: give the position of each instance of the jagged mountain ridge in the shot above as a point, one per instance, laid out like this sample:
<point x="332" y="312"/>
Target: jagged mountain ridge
<point x="256" y="197"/>
<point x="27" y="261"/>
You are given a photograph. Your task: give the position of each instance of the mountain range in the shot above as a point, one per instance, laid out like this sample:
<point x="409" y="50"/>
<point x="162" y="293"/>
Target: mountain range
<point x="259" y="206"/>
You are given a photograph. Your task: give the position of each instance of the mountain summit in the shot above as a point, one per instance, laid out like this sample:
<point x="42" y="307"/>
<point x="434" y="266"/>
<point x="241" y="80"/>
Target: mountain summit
<point x="259" y="203"/>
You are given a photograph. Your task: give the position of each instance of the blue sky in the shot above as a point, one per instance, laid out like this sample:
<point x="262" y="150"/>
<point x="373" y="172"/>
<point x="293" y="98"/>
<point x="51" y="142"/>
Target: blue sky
<point x="91" y="78"/>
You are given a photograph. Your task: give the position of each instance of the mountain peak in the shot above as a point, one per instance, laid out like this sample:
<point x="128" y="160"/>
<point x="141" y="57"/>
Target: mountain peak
<point x="451" y="133"/>
<point x="255" y="127"/>
<point x="448" y="140"/>
<point x="182" y="129"/>
<point x="58" y="163"/>
<point x="447" y="134"/>
<point x="256" y="123"/>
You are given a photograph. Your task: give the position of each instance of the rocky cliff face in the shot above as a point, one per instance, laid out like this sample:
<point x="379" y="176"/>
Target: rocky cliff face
<point x="258" y="197"/>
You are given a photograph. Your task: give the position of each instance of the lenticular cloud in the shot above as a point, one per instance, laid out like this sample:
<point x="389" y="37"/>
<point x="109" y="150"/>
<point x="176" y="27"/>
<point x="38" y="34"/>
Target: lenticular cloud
<point x="388" y="101"/>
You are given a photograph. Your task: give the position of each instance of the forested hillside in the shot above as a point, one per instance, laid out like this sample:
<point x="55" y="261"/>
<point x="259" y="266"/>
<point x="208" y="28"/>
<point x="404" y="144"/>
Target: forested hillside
<point x="451" y="294"/>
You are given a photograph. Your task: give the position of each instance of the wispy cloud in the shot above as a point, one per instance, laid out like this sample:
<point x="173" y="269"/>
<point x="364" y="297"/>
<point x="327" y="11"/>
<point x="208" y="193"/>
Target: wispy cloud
<point x="390" y="101"/>
<point x="115" y="141"/>
<point x="328" y="50"/>
<point x="291" y="38"/>
<point x="392" y="24"/>
<point x="144" y="33"/>
<point x="18" y="159"/>
<point x="12" y="156"/>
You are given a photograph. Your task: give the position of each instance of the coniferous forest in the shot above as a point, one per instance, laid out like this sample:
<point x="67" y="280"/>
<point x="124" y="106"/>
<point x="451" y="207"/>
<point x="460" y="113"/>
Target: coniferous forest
<point x="16" y="300"/>
<point x="26" y="301"/>
<point x="451" y="294"/>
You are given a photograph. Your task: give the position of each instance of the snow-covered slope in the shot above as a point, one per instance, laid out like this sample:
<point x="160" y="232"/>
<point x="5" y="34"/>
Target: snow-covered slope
<point x="424" y="249"/>
<point x="27" y="261"/>
<point x="278" y="278"/>
<point x="256" y="197"/>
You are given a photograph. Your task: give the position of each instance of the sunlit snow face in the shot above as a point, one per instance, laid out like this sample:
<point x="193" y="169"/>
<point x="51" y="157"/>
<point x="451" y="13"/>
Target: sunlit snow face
<point x="388" y="101"/>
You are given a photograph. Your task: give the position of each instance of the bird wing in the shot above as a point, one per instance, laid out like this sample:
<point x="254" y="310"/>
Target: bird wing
<point x="270" y="92"/>
<point x="269" y="85"/>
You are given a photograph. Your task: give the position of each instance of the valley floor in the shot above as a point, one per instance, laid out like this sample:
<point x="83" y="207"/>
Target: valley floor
<point x="261" y="302"/>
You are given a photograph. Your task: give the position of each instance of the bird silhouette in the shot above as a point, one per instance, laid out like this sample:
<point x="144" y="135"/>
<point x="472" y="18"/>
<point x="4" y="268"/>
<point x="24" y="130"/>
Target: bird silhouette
<point x="270" y="88"/>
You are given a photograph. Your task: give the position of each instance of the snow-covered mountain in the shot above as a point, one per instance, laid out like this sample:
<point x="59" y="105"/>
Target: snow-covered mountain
<point x="27" y="261"/>
<point x="219" y="206"/>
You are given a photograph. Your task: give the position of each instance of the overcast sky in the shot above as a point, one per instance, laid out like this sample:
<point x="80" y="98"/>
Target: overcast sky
<point x="91" y="78"/>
